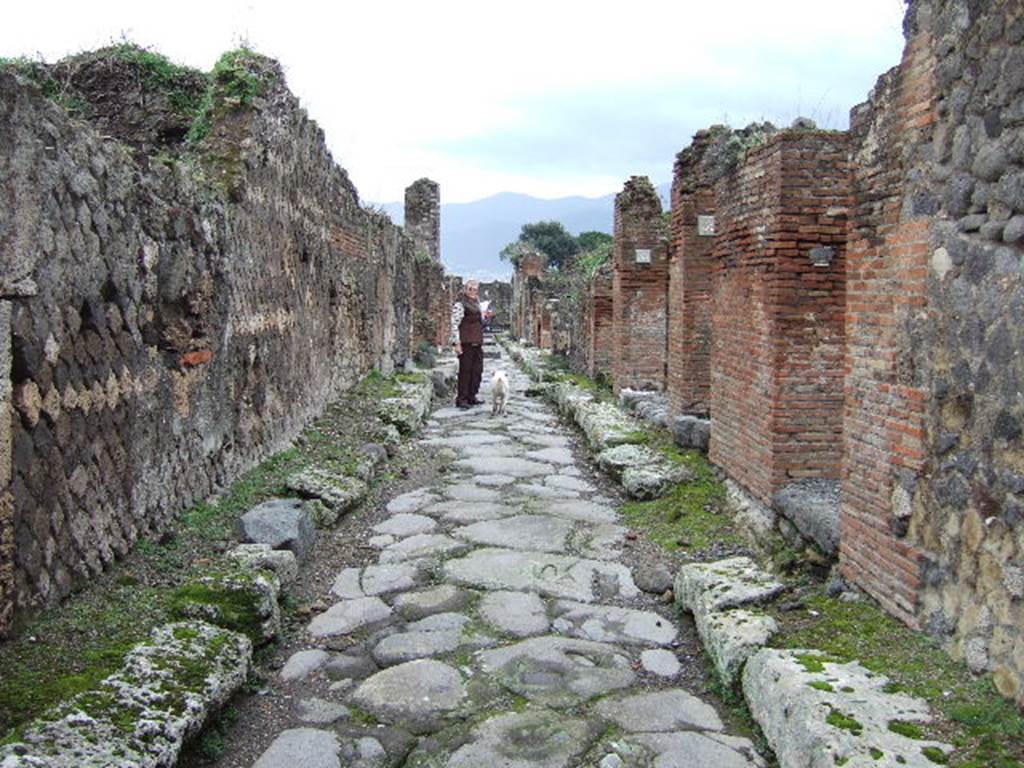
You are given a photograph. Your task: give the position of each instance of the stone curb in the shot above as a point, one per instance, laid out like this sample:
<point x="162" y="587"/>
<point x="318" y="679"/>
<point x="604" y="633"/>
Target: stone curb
<point x="142" y="714"/>
<point x="407" y="411"/>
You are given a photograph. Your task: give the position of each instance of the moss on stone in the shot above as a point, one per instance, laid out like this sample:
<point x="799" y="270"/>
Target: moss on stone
<point x="839" y="720"/>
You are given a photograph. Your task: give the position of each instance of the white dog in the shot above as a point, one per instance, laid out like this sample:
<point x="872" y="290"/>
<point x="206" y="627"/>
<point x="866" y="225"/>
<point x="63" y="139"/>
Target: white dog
<point x="499" y="393"/>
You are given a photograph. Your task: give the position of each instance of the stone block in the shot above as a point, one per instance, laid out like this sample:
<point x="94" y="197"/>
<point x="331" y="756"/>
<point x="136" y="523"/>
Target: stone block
<point x="282" y="523"/>
<point x="235" y="598"/>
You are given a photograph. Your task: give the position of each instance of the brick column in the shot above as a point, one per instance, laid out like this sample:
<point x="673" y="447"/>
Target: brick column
<point x="423" y="219"/>
<point x="600" y="336"/>
<point x="777" y="307"/>
<point x="639" y="288"/>
<point x="689" y="296"/>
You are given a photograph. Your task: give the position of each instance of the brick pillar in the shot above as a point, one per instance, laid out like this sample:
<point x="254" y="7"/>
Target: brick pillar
<point x="689" y="296"/>
<point x="639" y="288"/>
<point x="599" y="350"/>
<point x="423" y="219"/>
<point x="778" y="300"/>
<point x="886" y="399"/>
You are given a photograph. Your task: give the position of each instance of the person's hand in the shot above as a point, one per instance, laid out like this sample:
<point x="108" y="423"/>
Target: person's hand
<point x="458" y="349"/>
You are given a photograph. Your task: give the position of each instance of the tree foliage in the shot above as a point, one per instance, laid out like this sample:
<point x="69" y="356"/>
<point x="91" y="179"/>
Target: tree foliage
<point x="590" y="241"/>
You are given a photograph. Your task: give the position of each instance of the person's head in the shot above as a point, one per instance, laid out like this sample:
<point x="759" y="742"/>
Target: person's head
<point x="472" y="288"/>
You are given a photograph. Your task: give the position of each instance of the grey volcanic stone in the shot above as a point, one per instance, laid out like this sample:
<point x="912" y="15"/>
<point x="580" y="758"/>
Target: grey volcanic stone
<point x="412" y="501"/>
<point x="660" y="662"/>
<point x="471" y="492"/>
<point x="611" y="624"/>
<point x="494" y="480"/>
<point x="348" y="616"/>
<point x="534" y="532"/>
<point x="302" y="748"/>
<point x="280" y="524"/>
<point x="652" y="578"/>
<point x="282" y="562"/>
<point x="406" y="524"/>
<point x="549" y="574"/>
<point x="552" y="455"/>
<point x="793" y="714"/>
<point x="350" y="666"/>
<point x="569" y="484"/>
<point x="348" y="584"/>
<point x="339" y="492"/>
<point x="303" y="663"/>
<point x="419" y="695"/>
<point x="731" y="637"/>
<point x="441" y="599"/>
<point x="394" y="577"/>
<point x="546" y="491"/>
<point x="535" y="739"/>
<point x="557" y="671"/>
<point x="321" y="711"/>
<point x="688" y="750"/>
<point x="813" y="507"/>
<point x="469" y="511"/>
<point x="580" y="509"/>
<point x="420" y="546"/>
<point x="737" y="581"/>
<point x="670" y="710"/>
<point x="432" y="636"/>
<point x="505" y="465"/>
<point x="521" y="614"/>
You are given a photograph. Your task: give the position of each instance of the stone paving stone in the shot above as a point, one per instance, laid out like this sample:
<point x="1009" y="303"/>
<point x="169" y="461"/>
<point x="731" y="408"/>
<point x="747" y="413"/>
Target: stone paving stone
<point x="321" y="711"/>
<point x="548" y="574"/>
<point x="302" y="664"/>
<point x="302" y="748"/>
<point x="418" y="694"/>
<point x="441" y="599"/>
<point x="470" y="511"/>
<point x="611" y="624"/>
<point x="521" y="614"/>
<point x="379" y="542"/>
<point x="546" y="492"/>
<point x="660" y="662"/>
<point x="406" y="524"/>
<point x="569" y="484"/>
<point x="535" y="739"/>
<point x="348" y="584"/>
<point x="602" y="541"/>
<point x="688" y="750"/>
<point x="494" y="481"/>
<point x="538" y="533"/>
<point x="472" y="439"/>
<point x="431" y="636"/>
<point x="348" y="616"/>
<point x="505" y="465"/>
<point x="558" y="671"/>
<point x="580" y="509"/>
<point x="670" y="710"/>
<point x="412" y="501"/>
<point x="552" y="455"/>
<point x="420" y="546"/>
<point x="396" y="577"/>
<point x="471" y="492"/>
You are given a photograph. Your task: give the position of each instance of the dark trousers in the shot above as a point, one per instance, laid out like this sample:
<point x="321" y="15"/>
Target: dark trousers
<point x="471" y="370"/>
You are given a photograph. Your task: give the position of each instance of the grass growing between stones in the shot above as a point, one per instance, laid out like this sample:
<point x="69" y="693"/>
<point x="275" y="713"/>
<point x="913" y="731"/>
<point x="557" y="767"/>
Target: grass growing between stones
<point x="67" y="649"/>
<point x="986" y="729"/>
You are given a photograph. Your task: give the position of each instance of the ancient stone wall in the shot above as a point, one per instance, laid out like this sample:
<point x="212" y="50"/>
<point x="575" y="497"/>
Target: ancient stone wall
<point x="639" y="288"/>
<point x="777" y="312"/>
<point x="599" y="324"/>
<point x="423" y="219"/>
<point x="933" y="523"/>
<point x="528" y="295"/>
<point x="171" y="321"/>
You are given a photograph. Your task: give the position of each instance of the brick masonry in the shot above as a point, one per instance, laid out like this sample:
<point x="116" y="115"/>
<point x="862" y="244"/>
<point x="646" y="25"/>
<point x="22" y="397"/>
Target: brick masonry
<point x="167" y="333"/>
<point x="423" y="219"/>
<point x="639" y="288"/>
<point x="599" y="340"/>
<point x="776" y="358"/>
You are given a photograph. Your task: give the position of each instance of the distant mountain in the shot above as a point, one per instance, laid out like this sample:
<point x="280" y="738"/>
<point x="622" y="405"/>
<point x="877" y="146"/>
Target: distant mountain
<point x="473" y="233"/>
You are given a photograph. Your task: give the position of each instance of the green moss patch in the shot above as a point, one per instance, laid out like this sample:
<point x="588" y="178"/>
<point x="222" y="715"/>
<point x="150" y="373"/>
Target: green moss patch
<point x="987" y="730"/>
<point x="838" y="720"/>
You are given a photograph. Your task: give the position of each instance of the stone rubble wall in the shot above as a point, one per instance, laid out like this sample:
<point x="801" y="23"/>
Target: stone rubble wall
<point x="171" y="322"/>
<point x="423" y="219"/>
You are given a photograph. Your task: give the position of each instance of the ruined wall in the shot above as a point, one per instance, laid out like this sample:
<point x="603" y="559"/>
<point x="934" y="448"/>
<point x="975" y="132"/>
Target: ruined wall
<point x="932" y="516"/>
<point x="777" y="311"/>
<point x="432" y="313"/>
<point x="172" y="322"/>
<point x="528" y="295"/>
<point x="639" y="288"/>
<point x="599" y="322"/>
<point x="689" y="297"/>
<point x="423" y="219"/>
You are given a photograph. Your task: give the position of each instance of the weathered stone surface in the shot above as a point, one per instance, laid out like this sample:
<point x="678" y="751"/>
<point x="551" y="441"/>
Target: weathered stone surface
<point x="302" y="664"/>
<point x="730" y="637"/>
<point x="645" y="483"/>
<point x="660" y="662"/>
<point x="531" y="532"/>
<point x="559" y="672"/>
<point x="670" y="710"/>
<point x="280" y="524"/>
<point x="350" y="666"/>
<point x="794" y="715"/>
<point x="348" y="584"/>
<point x="321" y="711"/>
<point x="567" y="483"/>
<point x="611" y="624"/>
<point x="521" y="614"/>
<point x="537" y="739"/>
<point x="685" y="750"/>
<point x="441" y="599"/>
<point x="395" y="577"/>
<point x="264" y="557"/>
<point x="471" y="492"/>
<point x="731" y="583"/>
<point x="235" y="598"/>
<point x="348" y="616"/>
<point x="406" y="524"/>
<point x="548" y="574"/>
<point x="302" y="748"/>
<point x="546" y="491"/>
<point x="585" y="511"/>
<point x="552" y="455"/>
<point x="431" y="636"/>
<point x="166" y="688"/>
<point x="418" y="694"/>
<point x="469" y="511"/>
<point x="412" y="501"/>
<point x="813" y="506"/>
<point x="339" y="492"/>
<point x="493" y="480"/>
<point x="691" y="432"/>
<point x="407" y="411"/>
<point x="653" y="578"/>
<point x="422" y="545"/>
<point x="506" y="466"/>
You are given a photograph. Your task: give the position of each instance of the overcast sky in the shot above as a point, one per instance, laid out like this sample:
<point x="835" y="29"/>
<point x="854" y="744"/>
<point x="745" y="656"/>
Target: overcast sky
<point x="549" y="98"/>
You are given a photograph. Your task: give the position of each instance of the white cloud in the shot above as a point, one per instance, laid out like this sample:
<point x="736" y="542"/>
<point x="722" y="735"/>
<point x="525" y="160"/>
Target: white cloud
<point x="391" y="83"/>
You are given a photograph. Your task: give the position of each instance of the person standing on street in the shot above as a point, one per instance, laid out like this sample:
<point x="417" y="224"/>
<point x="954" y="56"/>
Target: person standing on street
<point x="468" y="341"/>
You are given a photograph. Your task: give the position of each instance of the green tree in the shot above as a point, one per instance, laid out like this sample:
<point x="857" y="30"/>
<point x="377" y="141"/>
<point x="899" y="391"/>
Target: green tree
<point x="590" y="241"/>
<point x="552" y="239"/>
